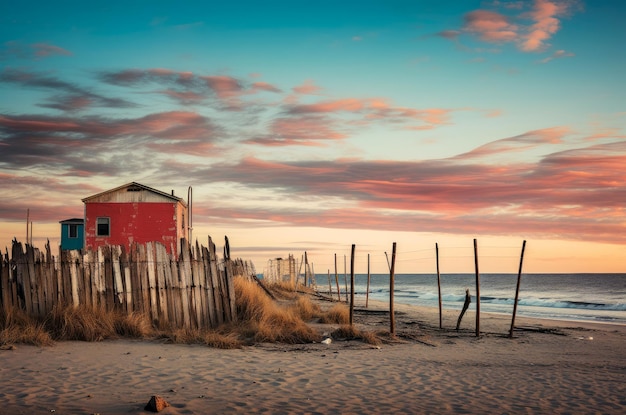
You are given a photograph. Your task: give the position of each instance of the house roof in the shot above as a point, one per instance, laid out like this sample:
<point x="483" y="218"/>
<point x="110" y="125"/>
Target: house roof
<point x="73" y="220"/>
<point x="134" y="186"/>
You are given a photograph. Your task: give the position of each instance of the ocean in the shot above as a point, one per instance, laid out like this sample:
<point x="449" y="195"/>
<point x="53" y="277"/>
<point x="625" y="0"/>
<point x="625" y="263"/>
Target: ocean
<point x="578" y="297"/>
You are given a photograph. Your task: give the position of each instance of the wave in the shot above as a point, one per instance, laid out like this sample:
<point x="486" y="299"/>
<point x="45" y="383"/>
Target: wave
<point x="412" y="296"/>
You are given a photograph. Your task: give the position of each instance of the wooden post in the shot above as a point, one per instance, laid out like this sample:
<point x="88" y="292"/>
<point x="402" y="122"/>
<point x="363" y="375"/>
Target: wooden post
<point x="352" y="286"/>
<point x="468" y="300"/>
<point x="330" y="287"/>
<point x="519" y="277"/>
<point x="439" y="286"/>
<point x="392" y="271"/>
<point x="337" y="280"/>
<point x="306" y="268"/>
<point x="477" y="289"/>
<point x="367" y="292"/>
<point x="345" y="276"/>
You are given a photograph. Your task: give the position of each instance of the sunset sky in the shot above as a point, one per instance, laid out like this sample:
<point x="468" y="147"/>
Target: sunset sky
<point x="311" y="126"/>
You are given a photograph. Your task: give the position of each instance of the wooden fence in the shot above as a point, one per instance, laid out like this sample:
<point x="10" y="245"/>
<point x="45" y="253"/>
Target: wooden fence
<point x="192" y="291"/>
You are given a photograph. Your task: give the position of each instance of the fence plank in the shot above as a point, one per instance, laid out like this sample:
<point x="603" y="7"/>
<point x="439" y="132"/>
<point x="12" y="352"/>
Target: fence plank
<point x="208" y="287"/>
<point x="5" y="285"/>
<point x="215" y="278"/>
<point x="182" y="284"/>
<point x="152" y="281"/>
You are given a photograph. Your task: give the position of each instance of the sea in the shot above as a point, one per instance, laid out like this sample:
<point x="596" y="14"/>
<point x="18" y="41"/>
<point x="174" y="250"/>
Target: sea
<point x="599" y="298"/>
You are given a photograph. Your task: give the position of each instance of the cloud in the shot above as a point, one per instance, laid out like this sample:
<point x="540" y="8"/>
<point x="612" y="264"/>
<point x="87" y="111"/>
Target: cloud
<point x="189" y="88"/>
<point x="44" y="50"/>
<point x="449" y="34"/>
<point x="570" y="193"/>
<point x="86" y="144"/>
<point x="72" y="97"/>
<point x="307" y="88"/>
<point x="304" y="131"/>
<point x="33" y="51"/>
<point x="522" y="142"/>
<point x="557" y="55"/>
<point x="374" y="109"/>
<point x="530" y="30"/>
<point x="490" y="26"/>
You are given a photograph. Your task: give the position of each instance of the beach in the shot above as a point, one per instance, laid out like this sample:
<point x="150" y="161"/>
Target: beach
<point x="551" y="367"/>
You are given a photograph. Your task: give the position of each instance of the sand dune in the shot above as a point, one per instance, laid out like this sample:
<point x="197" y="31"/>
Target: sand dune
<point x="548" y="367"/>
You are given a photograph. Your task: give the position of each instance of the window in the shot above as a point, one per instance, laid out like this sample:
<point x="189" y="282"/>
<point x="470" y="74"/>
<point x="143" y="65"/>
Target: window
<point x="73" y="231"/>
<point x="103" y="227"/>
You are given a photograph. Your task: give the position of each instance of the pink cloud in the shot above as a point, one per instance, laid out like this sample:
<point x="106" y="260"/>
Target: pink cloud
<point x="43" y="50"/>
<point x="567" y="193"/>
<point x="223" y="86"/>
<point x="530" y="30"/>
<point x="518" y="143"/>
<point x="184" y="97"/>
<point x="264" y="86"/>
<point x="546" y="24"/>
<point x="307" y="88"/>
<point x="490" y="26"/>
<point x="304" y="131"/>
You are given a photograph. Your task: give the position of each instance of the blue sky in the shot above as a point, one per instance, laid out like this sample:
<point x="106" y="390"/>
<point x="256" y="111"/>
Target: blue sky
<point x="314" y="125"/>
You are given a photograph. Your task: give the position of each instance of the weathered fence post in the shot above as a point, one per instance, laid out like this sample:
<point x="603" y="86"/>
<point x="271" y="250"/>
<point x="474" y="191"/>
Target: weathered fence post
<point x="367" y="291"/>
<point x="519" y="278"/>
<point x="477" y="288"/>
<point x="439" y="286"/>
<point x="352" y="286"/>
<point x="392" y="271"/>
<point x="337" y="280"/>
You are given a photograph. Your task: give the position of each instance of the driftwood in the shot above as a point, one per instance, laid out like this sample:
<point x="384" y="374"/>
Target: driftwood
<point x="468" y="300"/>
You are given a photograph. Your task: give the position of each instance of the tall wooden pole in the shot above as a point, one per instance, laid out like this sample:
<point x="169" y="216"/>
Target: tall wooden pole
<point x="352" y="286"/>
<point x="519" y="278"/>
<point x="392" y="271"/>
<point x="306" y="268"/>
<point x="439" y="285"/>
<point x="477" y="289"/>
<point x="345" y="276"/>
<point x="337" y="280"/>
<point x="367" y="292"/>
<point x="330" y="287"/>
<point x="27" y="223"/>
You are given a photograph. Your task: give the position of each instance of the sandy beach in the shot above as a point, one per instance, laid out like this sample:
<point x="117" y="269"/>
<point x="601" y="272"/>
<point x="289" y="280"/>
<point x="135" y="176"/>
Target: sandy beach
<point x="549" y="367"/>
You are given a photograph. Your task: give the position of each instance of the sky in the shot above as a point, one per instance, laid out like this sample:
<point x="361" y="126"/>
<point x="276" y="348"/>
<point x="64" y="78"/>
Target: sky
<point x="315" y="125"/>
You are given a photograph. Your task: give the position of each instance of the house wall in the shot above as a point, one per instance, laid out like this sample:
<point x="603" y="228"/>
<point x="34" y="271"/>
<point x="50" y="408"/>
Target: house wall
<point x="134" y="222"/>
<point x="72" y="243"/>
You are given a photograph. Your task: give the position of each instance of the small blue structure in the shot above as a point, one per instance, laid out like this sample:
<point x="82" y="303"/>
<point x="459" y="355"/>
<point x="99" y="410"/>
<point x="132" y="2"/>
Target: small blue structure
<point x="72" y="234"/>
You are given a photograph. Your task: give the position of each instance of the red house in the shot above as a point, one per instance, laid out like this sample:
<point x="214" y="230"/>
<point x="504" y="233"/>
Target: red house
<point x="135" y="213"/>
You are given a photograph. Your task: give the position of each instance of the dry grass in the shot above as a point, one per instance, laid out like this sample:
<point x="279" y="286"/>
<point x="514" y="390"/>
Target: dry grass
<point x="17" y="327"/>
<point x="207" y="337"/>
<point x="263" y="320"/>
<point x="282" y="289"/>
<point x="346" y="332"/>
<point x="337" y="314"/>
<point x="89" y="324"/>
<point x="260" y="319"/>
<point x="306" y="308"/>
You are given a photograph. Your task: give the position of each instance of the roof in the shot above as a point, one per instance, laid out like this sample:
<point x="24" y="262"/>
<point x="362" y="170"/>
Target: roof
<point x="135" y="187"/>
<point x="73" y="220"/>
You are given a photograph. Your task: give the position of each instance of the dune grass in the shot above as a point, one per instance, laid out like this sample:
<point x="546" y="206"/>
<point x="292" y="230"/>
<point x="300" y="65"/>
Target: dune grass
<point x="260" y="319"/>
<point x="347" y="332"/>
<point x="17" y="327"/>
<point x="337" y="314"/>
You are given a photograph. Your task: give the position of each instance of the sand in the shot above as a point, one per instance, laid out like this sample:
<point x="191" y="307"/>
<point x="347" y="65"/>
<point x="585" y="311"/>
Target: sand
<point x="549" y="367"/>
